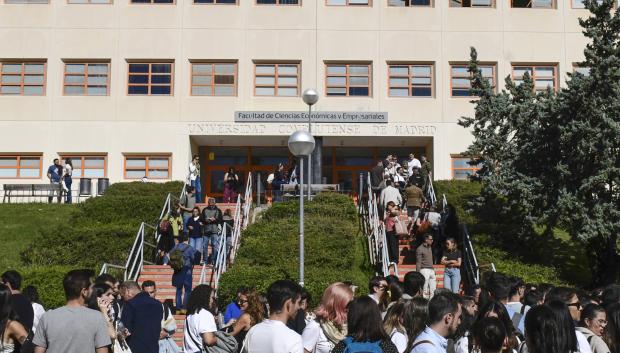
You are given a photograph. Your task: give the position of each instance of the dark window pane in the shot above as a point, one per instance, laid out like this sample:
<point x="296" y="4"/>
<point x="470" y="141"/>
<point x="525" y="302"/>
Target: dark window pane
<point x="160" y="79"/>
<point x="521" y="3"/>
<point x="139" y="68"/>
<point x="359" y="91"/>
<point x="138" y="79"/>
<point x="203" y="1"/>
<point x="420" y="2"/>
<point x="289" y="2"/>
<point x="225" y="79"/>
<point x="421" y="91"/>
<point x="161" y="68"/>
<point x="138" y="90"/>
<point x="459" y="92"/>
<point x="266" y="2"/>
<point x="160" y="89"/>
<point x="163" y="1"/>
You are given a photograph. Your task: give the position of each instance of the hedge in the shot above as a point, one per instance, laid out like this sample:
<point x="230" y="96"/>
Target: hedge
<point x="334" y="248"/>
<point x="48" y="280"/>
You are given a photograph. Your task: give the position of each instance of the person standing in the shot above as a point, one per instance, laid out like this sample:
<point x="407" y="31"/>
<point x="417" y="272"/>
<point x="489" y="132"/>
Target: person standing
<point x="194" y="227"/>
<point x="272" y="335"/>
<point x="391" y="235"/>
<point x="233" y="310"/>
<point x="194" y="177"/>
<point x="253" y="313"/>
<point x="377" y="291"/>
<point x="187" y="205"/>
<point x="142" y="317"/>
<point x="444" y="316"/>
<point x="200" y="324"/>
<point x="427" y="173"/>
<point x="182" y="278"/>
<point x="231" y="183"/>
<point x="176" y="220"/>
<point x="424" y="265"/>
<point x="390" y="193"/>
<point x="21" y="303"/>
<point x="32" y="294"/>
<point x="413" y="285"/>
<point x="592" y="326"/>
<point x="452" y="260"/>
<point x="13" y="333"/>
<point x="412" y="163"/>
<point x="415" y="199"/>
<point x="73" y="328"/>
<point x="54" y="172"/>
<point x="212" y="218"/>
<point x="66" y="179"/>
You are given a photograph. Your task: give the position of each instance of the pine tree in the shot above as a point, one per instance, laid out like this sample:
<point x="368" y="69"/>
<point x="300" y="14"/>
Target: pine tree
<point x="555" y="157"/>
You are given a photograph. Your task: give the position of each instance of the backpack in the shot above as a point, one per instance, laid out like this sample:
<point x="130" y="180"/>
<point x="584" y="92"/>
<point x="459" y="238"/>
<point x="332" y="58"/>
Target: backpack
<point x="176" y="258"/>
<point x="361" y="347"/>
<point x="164" y="226"/>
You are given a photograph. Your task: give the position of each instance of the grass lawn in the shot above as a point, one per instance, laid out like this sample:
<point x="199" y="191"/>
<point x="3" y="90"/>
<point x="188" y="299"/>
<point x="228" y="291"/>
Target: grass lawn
<point x="20" y="223"/>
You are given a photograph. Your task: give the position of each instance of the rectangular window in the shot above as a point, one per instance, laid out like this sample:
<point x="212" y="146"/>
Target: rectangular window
<point x="218" y="2"/>
<point x="348" y="80"/>
<point x="152" y="1"/>
<point x="543" y="75"/>
<point x="276" y="79"/>
<point x="156" y="166"/>
<point x="89" y="1"/>
<point x="150" y="79"/>
<point x="540" y="4"/>
<point x="26" y="1"/>
<point x="20" y="166"/>
<point x="584" y="70"/>
<point x="214" y="79"/>
<point x="411" y="80"/>
<point x="22" y="78"/>
<point x="410" y="3"/>
<point x="349" y="2"/>
<point x="459" y="78"/>
<point x="277" y="2"/>
<point x="88" y="166"/>
<point x="87" y="79"/>
<point x="461" y="169"/>
<point x="471" y="3"/>
<point x="579" y="4"/>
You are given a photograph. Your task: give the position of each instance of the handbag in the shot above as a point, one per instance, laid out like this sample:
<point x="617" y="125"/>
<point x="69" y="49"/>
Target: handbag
<point x="400" y="228"/>
<point x="120" y="346"/>
<point x="167" y="345"/>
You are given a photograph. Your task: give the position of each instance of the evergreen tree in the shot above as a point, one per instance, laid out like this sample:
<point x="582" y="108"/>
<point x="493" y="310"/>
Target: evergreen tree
<point x="555" y="157"/>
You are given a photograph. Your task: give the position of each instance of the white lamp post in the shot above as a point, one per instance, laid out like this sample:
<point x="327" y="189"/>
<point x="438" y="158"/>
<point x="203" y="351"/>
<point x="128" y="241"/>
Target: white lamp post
<point x="310" y="97"/>
<point x="301" y="143"/>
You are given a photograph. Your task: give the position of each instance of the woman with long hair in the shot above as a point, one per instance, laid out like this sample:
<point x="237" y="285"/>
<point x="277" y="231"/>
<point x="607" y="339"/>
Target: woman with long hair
<point x="452" y="260"/>
<point x="393" y="323"/>
<point x="365" y="329"/>
<point x="200" y="324"/>
<point x="592" y="325"/>
<point x="463" y="343"/>
<point x="330" y="326"/>
<point x="67" y="171"/>
<point x="612" y="331"/>
<point x="414" y="319"/>
<point x="545" y="332"/>
<point x="101" y="300"/>
<point x="12" y="332"/>
<point x="498" y="310"/>
<point x="231" y="182"/>
<point x="253" y="313"/>
<point x="33" y="295"/>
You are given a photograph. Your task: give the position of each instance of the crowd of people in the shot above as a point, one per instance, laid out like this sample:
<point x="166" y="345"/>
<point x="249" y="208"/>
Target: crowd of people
<point x="503" y="315"/>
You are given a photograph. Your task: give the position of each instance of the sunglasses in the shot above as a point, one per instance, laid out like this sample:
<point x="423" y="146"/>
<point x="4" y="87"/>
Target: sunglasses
<point x="242" y="301"/>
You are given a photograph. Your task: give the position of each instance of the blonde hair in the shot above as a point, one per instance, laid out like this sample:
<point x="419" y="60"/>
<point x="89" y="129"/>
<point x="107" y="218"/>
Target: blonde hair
<point x="334" y="303"/>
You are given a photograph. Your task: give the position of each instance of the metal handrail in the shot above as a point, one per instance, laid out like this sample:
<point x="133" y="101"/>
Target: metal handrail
<point x="431" y="189"/>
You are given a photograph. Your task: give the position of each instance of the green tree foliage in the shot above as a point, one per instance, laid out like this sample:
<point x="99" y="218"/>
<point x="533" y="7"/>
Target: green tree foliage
<point x="554" y="158"/>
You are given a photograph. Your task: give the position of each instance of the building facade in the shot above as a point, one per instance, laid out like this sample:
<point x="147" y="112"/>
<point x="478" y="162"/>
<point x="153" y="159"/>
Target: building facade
<point x="133" y="88"/>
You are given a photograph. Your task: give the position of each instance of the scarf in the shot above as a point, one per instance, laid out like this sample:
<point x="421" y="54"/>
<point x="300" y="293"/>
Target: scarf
<point x="333" y="333"/>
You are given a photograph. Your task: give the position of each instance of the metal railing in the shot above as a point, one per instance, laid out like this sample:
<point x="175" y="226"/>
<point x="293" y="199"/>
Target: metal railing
<point x="431" y="190"/>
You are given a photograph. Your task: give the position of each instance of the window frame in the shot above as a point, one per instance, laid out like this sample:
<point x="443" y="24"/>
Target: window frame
<point x="492" y="6"/>
<point x="556" y="71"/>
<point x="214" y="3"/>
<point x="430" y="5"/>
<point x="18" y="156"/>
<point x="82" y="157"/>
<point x="22" y="75"/>
<point x="213" y="62"/>
<point x="370" y="4"/>
<point x="149" y="84"/>
<point x="276" y="86"/>
<point x="277" y="3"/>
<point x="152" y="2"/>
<point x="410" y="86"/>
<point x="9" y="2"/>
<point x="147" y="157"/>
<point x="347" y="76"/>
<point x="459" y="156"/>
<point x="553" y="6"/>
<point x="89" y="2"/>
<point x="493" y="65"/>
<point x="85" y="85"/>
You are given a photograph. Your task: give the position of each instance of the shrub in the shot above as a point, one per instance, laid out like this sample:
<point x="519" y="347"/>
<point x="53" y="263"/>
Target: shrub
<point x="138" y="188"/>
<point x="48" y="280"/>
<point x="334" y="249"/>
<point x="459" y="193"/>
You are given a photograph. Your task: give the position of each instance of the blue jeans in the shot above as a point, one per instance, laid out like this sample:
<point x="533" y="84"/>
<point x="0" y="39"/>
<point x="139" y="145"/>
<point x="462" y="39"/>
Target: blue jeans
<point x="181" y="298"/>
<point x="452" y="279"/>
<point x="214" y="240"/>
<point x="196" y="243"/>
<point x="196" y="185"/>
<point x="68" y="182"/>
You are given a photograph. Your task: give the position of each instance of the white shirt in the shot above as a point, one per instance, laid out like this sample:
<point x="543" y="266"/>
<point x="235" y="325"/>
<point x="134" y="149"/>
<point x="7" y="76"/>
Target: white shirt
<point x="197" y="324"/>
<point x="398" y="178"/>
<point x="314" y="339"/>
<point x="388" y="194"/>
<point x="193" y="171"/>
<point x="413" y="163"/>
<point x="582" y="343"/>
<point x="399" y="339"/>
<point x="38" y="312"/>
<point x="68" y="170"/>
<point x="272" y="336"/>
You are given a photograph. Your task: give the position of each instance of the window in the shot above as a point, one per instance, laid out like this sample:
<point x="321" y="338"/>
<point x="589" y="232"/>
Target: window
<point x="156" y="166"/>
<point x="277" y="2"/>
<point x="459" y="78"/>
<point x="22" y="78"/>
<point x="87" y="79"/>
<point x="409" y="3"/>
<point x="89" y="1"/>
<point x="579" y="4"/>
<point x="349" y="2"/>
<point x="471" y="3"/>
<point x="88" y="166"/>
<point x="152" y="1"/>
<point x="584" y="70"/>
<point x="543" y="76"/>
<point x="150" y="79"/>
<point x="16" y="166"/>
<point x="461" y="169"/>
<point x="541" y="4"/>
<point x="218" y="2"/>
<point x="410" y="80"/>
<point x="214" y="79"/>
<point x="276" y="80"/>
<point x="26" y="1"/>
<point x="348" y="80"/>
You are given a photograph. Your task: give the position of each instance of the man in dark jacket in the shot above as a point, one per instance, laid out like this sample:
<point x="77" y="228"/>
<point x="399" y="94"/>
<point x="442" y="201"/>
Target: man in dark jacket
<point x="212" y="217"/>
<point x="142" y="317"/>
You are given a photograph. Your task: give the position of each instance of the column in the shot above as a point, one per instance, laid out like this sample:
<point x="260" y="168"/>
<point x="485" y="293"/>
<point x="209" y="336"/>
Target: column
<point x="317" y="160"/>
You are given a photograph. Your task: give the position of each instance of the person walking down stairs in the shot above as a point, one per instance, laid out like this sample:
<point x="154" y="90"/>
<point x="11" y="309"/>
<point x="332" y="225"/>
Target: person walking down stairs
<point x="182" y="261"/>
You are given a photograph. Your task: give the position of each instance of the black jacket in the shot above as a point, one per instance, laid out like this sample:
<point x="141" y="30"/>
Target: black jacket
<point x="142" y="316"/>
